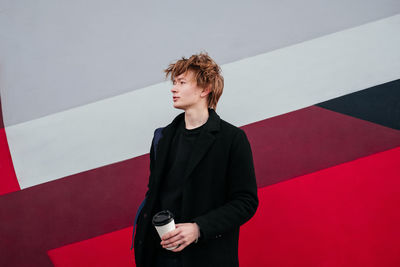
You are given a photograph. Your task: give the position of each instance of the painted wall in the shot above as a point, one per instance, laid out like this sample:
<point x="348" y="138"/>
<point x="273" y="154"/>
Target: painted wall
<point x="315" y="85"/>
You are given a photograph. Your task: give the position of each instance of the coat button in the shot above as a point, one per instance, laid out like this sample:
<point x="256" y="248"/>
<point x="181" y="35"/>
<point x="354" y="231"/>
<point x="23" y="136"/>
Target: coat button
<point x="145" y="215"/>
<point x="140" y="242"/>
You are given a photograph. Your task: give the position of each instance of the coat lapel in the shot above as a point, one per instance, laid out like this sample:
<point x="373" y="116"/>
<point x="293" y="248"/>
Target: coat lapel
<point x="164" y="145"/>
<point x="203" y="143"/>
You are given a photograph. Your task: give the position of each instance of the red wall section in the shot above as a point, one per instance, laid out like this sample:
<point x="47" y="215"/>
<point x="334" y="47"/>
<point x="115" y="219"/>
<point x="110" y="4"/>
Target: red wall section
<point x="112" y="249"/>
<point x="311" y="139"/>
<point x="345" y="215"/>
<point x="8" y="179"/>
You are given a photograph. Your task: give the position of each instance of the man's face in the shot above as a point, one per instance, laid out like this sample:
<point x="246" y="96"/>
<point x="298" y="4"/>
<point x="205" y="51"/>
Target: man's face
<point x="185" y="92"/>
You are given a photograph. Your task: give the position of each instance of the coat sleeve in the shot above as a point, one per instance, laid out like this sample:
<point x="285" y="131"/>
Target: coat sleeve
<point x="140" y="208"/>
<point x="153" y="147"/>
<point x="242" y="200"/>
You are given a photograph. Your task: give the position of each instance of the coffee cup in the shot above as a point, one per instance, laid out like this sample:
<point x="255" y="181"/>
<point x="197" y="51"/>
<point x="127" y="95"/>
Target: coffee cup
<point x="164" y="222"/>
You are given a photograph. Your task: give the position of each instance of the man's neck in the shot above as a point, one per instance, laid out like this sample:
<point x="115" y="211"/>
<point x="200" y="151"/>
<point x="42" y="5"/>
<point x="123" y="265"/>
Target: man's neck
<point x="195" y="117"/>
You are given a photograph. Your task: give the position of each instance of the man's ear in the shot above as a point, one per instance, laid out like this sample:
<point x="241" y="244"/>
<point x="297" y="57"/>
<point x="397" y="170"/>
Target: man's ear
<point x="206" y="91"/>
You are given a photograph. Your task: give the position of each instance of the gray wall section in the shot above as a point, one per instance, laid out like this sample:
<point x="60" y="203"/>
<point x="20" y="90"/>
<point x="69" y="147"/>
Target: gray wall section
<point x="56" y="55"/>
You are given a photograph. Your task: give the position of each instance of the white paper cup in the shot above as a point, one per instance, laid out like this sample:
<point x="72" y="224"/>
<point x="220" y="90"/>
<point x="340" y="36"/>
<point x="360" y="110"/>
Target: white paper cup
<point x="164" y="222"/>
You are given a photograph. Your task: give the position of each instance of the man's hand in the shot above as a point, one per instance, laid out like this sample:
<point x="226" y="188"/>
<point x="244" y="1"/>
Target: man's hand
<point x="182" y="236"/>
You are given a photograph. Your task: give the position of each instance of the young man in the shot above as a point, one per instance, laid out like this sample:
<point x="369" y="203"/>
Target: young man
<point x="202" y="171"/>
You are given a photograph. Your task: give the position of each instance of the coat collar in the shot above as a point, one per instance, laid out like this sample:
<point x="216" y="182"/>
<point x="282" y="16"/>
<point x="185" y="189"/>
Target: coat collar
<point x="212" y="124"/>
<point x="201" y="146"/>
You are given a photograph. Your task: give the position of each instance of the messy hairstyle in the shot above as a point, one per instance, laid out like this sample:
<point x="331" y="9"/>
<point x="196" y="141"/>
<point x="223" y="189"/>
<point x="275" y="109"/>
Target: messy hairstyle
<point x="206" y="73"/>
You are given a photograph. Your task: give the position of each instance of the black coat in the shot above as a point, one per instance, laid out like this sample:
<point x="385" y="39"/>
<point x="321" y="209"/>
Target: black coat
<point x="219" y="194"/>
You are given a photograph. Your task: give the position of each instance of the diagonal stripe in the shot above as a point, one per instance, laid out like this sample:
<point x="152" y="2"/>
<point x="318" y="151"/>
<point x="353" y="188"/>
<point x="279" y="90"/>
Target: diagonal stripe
<point x="346" y="215"/>
<point x="379" y="104"/>
<point x="81" y="205"/>
<point x="62" y="69"/>
<point x="311" y="139"/>
<point x="342" y="216"/>
<point x="111" y="249"/>
<point x="121" y="127"/>
<point x="8" y="181"/>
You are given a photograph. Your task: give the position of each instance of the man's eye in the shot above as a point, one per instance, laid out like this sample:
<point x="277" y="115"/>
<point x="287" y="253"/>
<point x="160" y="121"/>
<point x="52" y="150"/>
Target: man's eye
<point x="182" y="82"/>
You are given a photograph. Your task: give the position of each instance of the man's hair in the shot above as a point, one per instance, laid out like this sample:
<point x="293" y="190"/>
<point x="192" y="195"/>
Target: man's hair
<point x="206" y="73"/>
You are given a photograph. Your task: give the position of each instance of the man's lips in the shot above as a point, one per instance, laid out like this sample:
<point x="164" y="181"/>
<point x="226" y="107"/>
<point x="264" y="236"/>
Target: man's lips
<point x="175" y="97"/>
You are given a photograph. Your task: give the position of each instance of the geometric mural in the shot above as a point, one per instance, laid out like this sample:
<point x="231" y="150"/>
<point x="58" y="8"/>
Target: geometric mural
<point x="318" y="98"/>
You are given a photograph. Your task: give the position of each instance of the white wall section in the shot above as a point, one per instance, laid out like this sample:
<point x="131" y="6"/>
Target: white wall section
<point x="57" y="55"/>
<point x="256" y="88"/>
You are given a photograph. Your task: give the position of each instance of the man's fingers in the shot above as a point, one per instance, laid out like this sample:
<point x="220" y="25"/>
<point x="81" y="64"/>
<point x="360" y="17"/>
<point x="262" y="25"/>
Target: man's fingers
<point x="182" y="236"/>
<point x="180" y="247"/>
<point x="171" y="240"/>
<point x="170" y="234"/>
<point x="175" y="244"/>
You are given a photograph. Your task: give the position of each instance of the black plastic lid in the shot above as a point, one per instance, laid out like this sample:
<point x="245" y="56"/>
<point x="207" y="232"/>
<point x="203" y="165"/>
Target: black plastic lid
<point x="162" y="218"/>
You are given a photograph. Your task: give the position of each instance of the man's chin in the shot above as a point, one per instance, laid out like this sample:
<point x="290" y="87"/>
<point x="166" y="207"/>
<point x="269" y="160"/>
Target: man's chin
<point x="179" y="107"/>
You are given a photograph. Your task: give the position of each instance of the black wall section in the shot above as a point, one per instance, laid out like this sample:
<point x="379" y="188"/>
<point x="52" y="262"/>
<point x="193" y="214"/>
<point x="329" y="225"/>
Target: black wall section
<point x="379" y="104"/>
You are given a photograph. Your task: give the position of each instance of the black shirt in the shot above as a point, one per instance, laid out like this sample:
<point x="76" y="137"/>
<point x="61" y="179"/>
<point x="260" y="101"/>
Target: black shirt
<point x="178" y="157"/>
<point x="171" y="186"/>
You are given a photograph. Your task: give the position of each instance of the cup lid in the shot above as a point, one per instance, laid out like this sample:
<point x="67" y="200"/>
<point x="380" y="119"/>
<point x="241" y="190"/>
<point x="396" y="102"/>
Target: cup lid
<point x="162" y="218"/>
